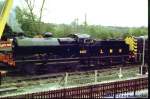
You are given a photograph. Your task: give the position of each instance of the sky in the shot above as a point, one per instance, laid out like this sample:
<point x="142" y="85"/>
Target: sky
<point x="124" y="13"/>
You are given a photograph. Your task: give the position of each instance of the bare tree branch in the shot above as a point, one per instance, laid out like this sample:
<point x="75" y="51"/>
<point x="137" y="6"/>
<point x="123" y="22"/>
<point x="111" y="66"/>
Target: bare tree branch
<point x="41" y="12"/>
<point x="31" y="7"/>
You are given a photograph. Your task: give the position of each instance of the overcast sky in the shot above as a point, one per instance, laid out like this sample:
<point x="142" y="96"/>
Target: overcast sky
<point x="130" y="13"/>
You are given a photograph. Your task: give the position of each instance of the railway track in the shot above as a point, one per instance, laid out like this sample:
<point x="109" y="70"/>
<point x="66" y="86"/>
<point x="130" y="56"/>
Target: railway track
<point x="41" y="70"/>
<point x="20" y="78"/>
<point x="78" y="77"/>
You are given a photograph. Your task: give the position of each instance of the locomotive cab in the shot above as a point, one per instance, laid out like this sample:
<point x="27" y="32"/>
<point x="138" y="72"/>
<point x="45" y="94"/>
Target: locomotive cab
<point x="82" y="38"/>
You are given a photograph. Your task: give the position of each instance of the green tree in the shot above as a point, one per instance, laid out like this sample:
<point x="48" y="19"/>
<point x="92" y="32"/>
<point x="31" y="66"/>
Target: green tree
<point x="26" y="20"/>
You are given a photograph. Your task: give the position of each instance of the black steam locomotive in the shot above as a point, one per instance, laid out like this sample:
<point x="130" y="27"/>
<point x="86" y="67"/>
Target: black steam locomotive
<point x="75" y="52"/>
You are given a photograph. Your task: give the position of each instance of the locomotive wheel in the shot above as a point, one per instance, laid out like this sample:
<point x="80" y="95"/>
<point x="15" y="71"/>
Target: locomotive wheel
<point x="27" y="69"/>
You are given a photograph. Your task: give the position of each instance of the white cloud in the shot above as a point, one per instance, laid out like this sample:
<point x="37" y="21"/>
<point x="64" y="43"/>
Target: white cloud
<point x="104" y="12"/>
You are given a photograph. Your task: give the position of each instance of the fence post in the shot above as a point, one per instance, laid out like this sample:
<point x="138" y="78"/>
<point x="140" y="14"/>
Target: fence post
<point x="0" y="78"/>
<point x="115" y="85"/>
<point x="91" y="92"/>
<point x="95" y="76"/>
<point x="120" y="73"/>
<point x="103" y="91"/>
<point x="66" y="78"/>
<point x="64" y="93"/>
<point x="134" y="87"/>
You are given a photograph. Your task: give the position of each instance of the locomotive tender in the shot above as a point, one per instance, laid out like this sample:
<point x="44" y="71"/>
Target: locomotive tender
<point x="75" y="52"/>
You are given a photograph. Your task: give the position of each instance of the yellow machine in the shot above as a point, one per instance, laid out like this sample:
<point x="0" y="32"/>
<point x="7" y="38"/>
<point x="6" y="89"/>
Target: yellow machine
<point x="4" y="15"/>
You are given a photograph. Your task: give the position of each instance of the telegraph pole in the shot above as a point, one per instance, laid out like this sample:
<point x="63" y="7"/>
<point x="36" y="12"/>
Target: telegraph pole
<point x="77" y="24"/>
<point x="143" y="55"/>
<point x="85" y="22"/>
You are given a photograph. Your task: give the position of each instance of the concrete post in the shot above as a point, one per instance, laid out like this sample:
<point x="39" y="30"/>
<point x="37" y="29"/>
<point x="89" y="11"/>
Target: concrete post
<point x="95" y="76"/>
<point x="66" y="78"/>
<point x="120" y="73"/>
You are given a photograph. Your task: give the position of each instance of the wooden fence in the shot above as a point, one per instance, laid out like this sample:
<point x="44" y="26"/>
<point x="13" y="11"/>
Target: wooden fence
<point x="91" y="91"/>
